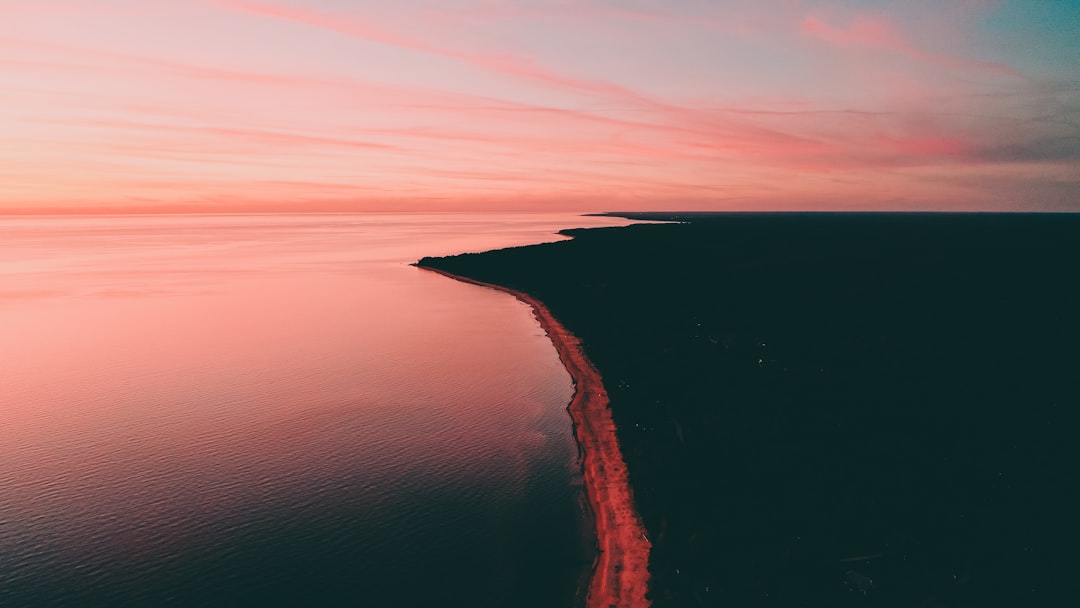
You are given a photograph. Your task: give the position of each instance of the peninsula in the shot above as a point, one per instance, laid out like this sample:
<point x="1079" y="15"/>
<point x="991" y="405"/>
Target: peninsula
<point x="829" y="409"/>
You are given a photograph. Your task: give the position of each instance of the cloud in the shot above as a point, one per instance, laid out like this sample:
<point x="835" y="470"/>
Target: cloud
<point x="879" y="32"/>
<point x="598" y="99"/>
<point x="1054" y="149"/>
<point x="501" y="63"/>
<point x="76" y="59"/>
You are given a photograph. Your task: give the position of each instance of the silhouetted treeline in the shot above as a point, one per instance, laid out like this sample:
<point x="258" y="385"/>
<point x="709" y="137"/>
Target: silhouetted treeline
<point x="833" y="409"/>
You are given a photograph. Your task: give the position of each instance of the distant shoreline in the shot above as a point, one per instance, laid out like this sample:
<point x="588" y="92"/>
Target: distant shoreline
<point x="620" y="575"/>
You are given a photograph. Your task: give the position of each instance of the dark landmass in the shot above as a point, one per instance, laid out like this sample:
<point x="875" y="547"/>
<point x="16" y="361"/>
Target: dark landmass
<point x="833" y="409"/>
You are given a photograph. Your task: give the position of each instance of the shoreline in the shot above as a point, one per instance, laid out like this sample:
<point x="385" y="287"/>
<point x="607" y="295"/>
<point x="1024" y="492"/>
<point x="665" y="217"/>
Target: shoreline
<point x="620" y="574"/>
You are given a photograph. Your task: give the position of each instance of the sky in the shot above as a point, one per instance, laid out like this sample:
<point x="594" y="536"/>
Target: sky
<point x="356" y="105"/>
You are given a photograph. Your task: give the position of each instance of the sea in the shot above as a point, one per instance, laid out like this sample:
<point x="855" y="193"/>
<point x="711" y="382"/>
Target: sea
<point x="278" y="410"/>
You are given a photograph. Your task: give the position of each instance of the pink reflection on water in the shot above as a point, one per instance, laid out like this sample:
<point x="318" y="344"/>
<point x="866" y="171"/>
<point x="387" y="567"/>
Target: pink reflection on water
<point x="165" y="375"/>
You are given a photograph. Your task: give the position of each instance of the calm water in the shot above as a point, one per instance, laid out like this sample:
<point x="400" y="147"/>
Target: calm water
<point x="278" y="410"/>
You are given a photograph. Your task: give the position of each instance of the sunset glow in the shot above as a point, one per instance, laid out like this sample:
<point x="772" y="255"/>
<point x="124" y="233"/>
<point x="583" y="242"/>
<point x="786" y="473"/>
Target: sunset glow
<point x="329" y="105"/>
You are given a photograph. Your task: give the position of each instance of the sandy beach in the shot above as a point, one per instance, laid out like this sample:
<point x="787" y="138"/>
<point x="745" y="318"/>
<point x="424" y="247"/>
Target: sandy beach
<point x="620" y="574"/>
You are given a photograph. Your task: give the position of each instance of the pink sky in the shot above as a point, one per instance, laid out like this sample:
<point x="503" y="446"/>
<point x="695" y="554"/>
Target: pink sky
<point x="226" y="105"/>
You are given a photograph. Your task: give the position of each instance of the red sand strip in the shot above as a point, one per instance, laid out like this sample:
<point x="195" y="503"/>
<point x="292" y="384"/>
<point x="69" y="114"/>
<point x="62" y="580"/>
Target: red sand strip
<point x="620" y="574"/>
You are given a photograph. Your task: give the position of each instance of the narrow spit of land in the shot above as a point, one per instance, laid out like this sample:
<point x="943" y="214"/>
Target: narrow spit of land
<point x="620" y="573"/>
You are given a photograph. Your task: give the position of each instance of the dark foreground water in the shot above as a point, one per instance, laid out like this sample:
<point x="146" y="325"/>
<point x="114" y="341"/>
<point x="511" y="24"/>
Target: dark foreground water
<point x="278" y="410"/>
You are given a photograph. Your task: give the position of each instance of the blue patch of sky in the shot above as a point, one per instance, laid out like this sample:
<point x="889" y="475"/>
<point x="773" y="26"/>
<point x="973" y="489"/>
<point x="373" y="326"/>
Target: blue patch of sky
<point x="1037" y="36"/>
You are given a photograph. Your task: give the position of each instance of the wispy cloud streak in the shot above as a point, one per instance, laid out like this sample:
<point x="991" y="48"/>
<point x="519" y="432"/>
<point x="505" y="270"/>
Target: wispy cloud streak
<point x="880" y="33"/>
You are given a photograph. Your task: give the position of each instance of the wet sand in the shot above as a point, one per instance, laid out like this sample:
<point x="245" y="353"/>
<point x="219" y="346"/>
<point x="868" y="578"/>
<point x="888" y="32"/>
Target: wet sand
<point x="620" y="575"/>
